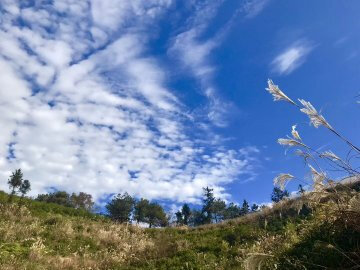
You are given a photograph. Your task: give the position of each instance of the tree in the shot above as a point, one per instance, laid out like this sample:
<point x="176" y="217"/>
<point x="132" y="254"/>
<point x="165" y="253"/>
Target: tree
<point x="179" y="218"/>
<point x="208" y="203"/>
<point x="218" y="210"/>
<point x="277" y="195"/>
<point x="186" y="213"/>
<point x="18" y="184"/>
<point x="156" y="216"/>
<point x="245" y="208"/>
<point x="232" y="211"/>
<point x="141" y="208"/>
<point x="120" y="207"/>
<point x="58" y="197"/>
<point x="82" y="201"/>
<point x="254" y="207"/>
<point x="197" y="218"/>
<point x="25" y="188"/>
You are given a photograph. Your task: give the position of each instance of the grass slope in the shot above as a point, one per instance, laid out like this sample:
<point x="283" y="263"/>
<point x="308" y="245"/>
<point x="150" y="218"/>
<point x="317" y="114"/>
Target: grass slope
<point x="292" y="235"/>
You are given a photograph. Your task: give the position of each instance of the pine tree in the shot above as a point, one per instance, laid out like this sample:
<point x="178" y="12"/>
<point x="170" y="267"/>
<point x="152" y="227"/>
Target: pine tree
<point x="245" y="209"/>
<point x="141" y="208"/>
<point x="254" y="207"/>
<point x="179" y="218"/>
<point x="120" y="207"/>
<point x="186" y="213"/>
<point x="277" y="195"/>
<point x="18" y="184"/>
<point x="208" y="203"/>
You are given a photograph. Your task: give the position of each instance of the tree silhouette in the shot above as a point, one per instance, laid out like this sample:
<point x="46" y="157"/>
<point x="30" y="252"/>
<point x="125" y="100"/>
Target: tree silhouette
<point x="141" y="208"/>
<point x="277" y="195"/>
<point x="245" y="208"/>
<point x="208" y="203"/>
<point x="232" y="211"/>
<point x="179" y="218"/>
<point x="218" y="209"/>
<point x="18" y="184"/>
<point x="186" y="213"/>
<point x="254" y="207"/>
<point x="120" y="207"/>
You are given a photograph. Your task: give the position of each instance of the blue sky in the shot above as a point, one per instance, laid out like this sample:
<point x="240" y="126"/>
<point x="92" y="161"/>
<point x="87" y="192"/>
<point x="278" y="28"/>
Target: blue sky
<point x="160" y="98"/>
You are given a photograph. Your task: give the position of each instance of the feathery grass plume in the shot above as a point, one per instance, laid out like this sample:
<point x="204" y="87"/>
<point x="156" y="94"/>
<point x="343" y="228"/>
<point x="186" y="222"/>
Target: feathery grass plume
<point x="329" y="154"/>
<point x="294" y="133"/>
<point x="282" y="179"/>
<point x="275" y="91"/>
<point x="318" y="179"/>
<point x="354" y="204"/>
<point x="315" y="118"/>
<point x="290" y="142"/>
<point x="302" y="154"/>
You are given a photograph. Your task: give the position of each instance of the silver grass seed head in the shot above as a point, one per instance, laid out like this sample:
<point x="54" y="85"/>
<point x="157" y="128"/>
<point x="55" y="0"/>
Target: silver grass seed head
<point x="290" y="142"/>
<point x="329" y="154"/>
<point x="318" y="179"/>
<point x="315" y="118"/>
<point x="282" y="179"/>
<point x="294" y="133"/>
<point x="302" y="154"/>
<point x="277" y="94"/>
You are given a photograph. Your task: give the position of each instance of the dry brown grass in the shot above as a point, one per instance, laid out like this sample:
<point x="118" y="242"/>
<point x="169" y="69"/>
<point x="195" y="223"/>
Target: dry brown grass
<point x="60" y="242"/>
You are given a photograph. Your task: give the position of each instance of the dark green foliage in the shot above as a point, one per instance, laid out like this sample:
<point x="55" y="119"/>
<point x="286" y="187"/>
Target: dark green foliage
<point x="183" y="216"/>
<point x="120" y="207"/>
<point x="254" y="207"/>
<point x="186" y="213"/>
<point x="25" y="187"/>
<point x="208" y="205"/>
<point x="15" y="181"/>
<point x="179" y="218"/>
<point x="197" y="218"/>
<point x="232" y="211"/>
<point x="18" y="184"/>
<point x="277" y="195"/>
<point x="80" y="201"/>
<point x="151" y="213"/>
<point x="218" y="210"/>
<point x="245" y="208"/>
<point x="140" y="210"/>
<point x="58" y="197"/>
<point x="156" y="216"/>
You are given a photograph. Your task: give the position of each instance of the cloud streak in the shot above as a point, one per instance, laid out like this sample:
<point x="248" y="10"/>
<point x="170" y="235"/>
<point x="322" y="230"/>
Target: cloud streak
<point x="292" y="57"/>
<point x="194" y="52"/>
<point x="252" y="8"/>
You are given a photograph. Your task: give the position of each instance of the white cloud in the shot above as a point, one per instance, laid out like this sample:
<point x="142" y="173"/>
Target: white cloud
<point x="195" y="55"/>
<point x="252" y="8"/>
<point x="292" y="57"/>
<point x="84" y="108"/>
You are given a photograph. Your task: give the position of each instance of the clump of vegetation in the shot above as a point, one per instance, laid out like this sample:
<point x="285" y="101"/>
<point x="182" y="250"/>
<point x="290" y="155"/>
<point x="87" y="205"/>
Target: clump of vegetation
<point x="78" y="201"/>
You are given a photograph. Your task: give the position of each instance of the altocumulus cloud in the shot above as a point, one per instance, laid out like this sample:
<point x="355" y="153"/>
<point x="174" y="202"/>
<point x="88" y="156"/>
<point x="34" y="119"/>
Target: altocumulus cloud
<point x="83" y="108"/>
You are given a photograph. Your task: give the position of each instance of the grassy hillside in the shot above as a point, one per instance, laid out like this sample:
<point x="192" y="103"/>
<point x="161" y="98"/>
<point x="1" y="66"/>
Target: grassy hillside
<point x="295" y="234"/>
